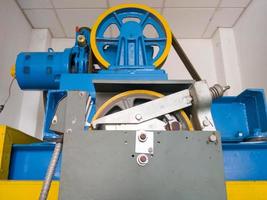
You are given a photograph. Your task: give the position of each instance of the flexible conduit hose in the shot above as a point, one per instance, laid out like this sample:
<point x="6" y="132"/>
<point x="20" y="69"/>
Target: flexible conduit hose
<point x="50" y="171"/>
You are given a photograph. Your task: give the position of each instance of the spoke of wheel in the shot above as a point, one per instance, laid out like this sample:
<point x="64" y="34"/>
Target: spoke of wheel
<point x="117" y="18"/>
<point x="144" y="19"/>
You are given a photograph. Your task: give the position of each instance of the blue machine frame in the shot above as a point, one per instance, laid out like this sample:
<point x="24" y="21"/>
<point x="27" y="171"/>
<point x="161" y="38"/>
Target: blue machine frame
<point x="241" y="120"/>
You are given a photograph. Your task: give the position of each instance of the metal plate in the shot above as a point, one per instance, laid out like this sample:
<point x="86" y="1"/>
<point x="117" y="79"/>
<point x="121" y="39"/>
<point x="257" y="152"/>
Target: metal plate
<point x="102" y="165"/>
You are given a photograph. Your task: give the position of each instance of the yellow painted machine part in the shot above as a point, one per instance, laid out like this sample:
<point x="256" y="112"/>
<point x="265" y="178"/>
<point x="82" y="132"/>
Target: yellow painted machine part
<point x="13" y="71"/>
<point x="30" y="190"/>
<point x="162" y="20"/>
<point x="8" y="137"/>
<point x="246" y="190"/>
<point x="26" y="190"/>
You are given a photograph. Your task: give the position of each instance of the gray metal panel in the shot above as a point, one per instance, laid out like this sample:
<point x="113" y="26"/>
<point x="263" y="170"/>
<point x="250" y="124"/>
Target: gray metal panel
<point x="100" y="166"/>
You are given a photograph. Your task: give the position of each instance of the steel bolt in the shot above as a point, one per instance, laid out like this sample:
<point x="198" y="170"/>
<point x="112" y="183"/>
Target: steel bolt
<point x="150" y="150"/>
<point x="142" y="159"/>
<point x="138" y="117"/>
<point x="142" y="137"/>
<point x="240" y="134"/>
<point x="81" y="94"/>
<point x="213" y="138"/>
<point x="81" y="40"/>
<point x="54" y="121"/>
<point x="206" y="122"/>
<point x="69" y="130"/>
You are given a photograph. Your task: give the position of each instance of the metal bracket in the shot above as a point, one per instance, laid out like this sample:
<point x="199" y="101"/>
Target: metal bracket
<point x="144" y="142"/>
<point x="201" y="114"/>
<point x="71" y="112"/>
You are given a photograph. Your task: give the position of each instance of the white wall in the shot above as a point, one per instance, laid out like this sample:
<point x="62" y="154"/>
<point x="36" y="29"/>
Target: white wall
<point x="200" y="53"/>
<point x="226" y="60"/>
<point x="15" y="33"/>
<point x="251" y="41"/>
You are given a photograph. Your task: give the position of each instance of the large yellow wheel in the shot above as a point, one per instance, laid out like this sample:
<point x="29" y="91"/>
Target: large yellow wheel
<point x="132" y="98"/>
<point x="130" y="21"/>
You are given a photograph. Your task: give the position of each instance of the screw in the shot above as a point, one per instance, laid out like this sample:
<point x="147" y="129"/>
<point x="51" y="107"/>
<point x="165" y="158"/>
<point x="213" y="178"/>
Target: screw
<point x="54" y="121"/>
<point x="142" y="159"/>
<point x="81" y="40"/>
<point x="74" y="121"/>
<point x="150" y="150"/>
<point x="240" y="134"/>
<point x="138" y="117"/>
<point x="142" y="137"/>
<point x="69" y="130"/>
<point x="213" y="138"/>
<point x="81" y="94"/>
<point x="206" y="122"/>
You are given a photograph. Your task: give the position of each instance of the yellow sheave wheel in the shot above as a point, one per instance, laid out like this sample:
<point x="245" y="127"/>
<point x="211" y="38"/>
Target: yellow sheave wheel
<point x="105" y="108"/>
<point x="102" y="61"/>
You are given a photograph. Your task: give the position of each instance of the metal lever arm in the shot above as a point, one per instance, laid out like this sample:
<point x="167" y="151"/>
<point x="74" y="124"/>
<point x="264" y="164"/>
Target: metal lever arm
<point x="149" y="110"/>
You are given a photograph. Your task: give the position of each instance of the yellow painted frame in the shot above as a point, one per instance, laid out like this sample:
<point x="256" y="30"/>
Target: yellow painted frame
<point x="30" y="190"/>
<point x="8" y="137"/>
<point x="26" y="190"/>
<point x="163" y="21"/>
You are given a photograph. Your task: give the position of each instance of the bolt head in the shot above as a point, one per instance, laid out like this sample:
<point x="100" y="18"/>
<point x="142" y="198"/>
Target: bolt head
<point x="69" y="130"/>
<point x="54" y="120"/>
<point x="142" y="137"/>
<point x="206" y="122"/>
<point x="150" y="150"/>
<point x="138" y="117"/>
<point x="240" y="134"/>
<point x="81" y="94"/>
<point x="212" y="138"/>
<point x="142" y="159"/>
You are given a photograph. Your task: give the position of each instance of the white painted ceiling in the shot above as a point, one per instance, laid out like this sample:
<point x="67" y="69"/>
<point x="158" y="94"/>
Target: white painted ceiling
<point x="187" y="18"/>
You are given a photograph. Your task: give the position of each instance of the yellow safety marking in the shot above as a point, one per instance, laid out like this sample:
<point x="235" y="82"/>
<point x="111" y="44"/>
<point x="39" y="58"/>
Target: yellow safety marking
<point x="133" y="92"/>
<point x="13" y="71"/>
<point x="8" y="137"/>
<point x="26" y="190"/>
<point x="30" y="190"/>
<point x="246" y="190"/>
<point x="162" y="20"/>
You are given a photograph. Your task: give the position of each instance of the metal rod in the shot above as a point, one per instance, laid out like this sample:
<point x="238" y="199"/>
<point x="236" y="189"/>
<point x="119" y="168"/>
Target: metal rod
<point x="50" y="172"/>
<point x="190" y="68"/>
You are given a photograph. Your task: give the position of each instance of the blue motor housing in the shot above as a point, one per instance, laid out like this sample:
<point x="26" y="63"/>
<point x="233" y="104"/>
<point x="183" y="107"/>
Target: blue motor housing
<point x="41" y="70"/>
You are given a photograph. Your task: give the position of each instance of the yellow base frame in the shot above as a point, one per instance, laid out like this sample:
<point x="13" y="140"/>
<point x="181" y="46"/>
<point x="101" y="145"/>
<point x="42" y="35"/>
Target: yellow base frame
<point x="8" y="137"/>
<point x="26" y="190"/>
<point x="30" y="190"/>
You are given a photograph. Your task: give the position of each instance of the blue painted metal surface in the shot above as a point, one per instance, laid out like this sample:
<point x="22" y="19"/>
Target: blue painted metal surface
<point x="135" y="47"/>
<point x="242" y="117"/>
<point x="42" y="70"/>
<point x="245" y="161"/>
<point x="30" y="162"/>
<point x="237" y="118"/>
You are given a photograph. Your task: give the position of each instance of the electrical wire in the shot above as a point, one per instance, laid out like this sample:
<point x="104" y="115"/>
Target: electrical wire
<point x="2" y="106"/>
